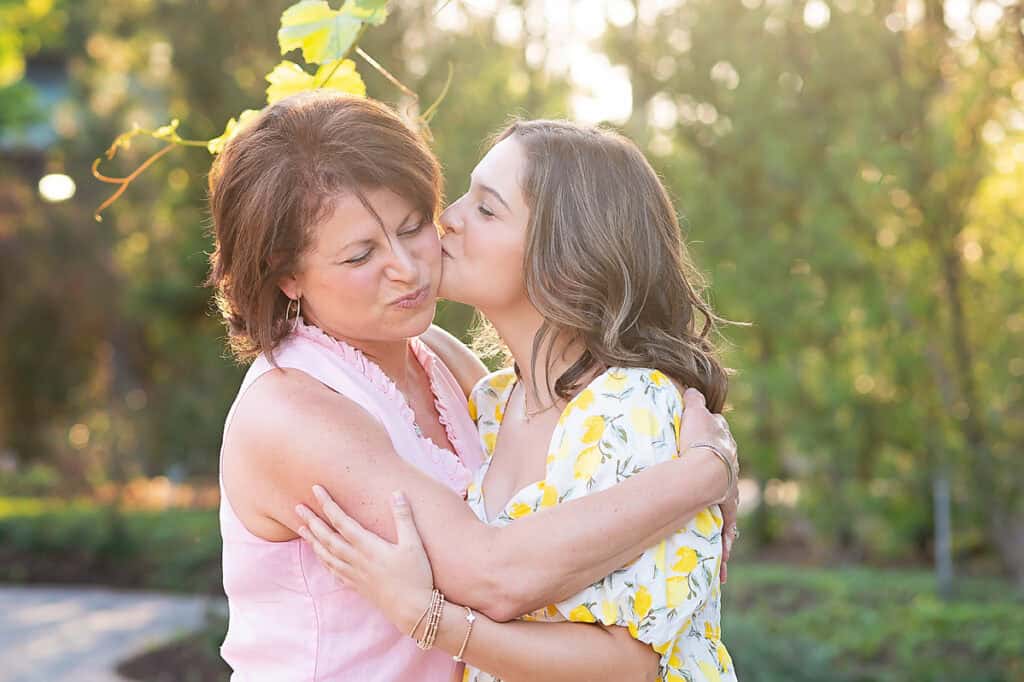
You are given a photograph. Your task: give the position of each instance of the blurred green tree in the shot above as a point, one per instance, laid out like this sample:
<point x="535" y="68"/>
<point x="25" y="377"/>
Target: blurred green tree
<point x="830" y="158"/>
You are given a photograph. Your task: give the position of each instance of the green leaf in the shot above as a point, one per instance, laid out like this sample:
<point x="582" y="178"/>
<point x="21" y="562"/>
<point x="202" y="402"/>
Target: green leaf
<point x="373" y="12"/>
<point x="323" y="34"/>
<point x="288" y="78"/>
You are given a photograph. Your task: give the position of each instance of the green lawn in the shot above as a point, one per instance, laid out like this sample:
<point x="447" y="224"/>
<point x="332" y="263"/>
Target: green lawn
<point x="798" y="624"/>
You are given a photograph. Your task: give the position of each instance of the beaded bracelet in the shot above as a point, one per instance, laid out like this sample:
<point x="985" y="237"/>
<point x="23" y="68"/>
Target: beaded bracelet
<point x="436" y="610"/>
<point x="470" y="618"/>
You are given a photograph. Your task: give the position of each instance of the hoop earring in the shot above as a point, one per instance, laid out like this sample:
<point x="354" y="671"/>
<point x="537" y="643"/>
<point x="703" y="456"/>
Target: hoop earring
<point x="298" y="311"/>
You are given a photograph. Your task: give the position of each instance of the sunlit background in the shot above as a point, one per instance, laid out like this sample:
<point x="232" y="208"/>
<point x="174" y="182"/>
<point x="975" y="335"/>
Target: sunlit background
<point x="849" y="175"/>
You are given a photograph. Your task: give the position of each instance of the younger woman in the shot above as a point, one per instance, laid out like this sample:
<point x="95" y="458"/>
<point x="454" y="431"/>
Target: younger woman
<point x="568" y="244"/>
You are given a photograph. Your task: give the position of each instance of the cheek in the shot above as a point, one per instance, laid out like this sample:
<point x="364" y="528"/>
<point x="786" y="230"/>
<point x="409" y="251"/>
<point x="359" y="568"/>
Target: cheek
<point x="428" y="253"/>
<point x="355" y="288"/>
<point x="495" y="256"/>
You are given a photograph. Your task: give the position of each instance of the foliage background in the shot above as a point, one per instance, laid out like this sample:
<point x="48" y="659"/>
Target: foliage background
<point x="849" y="175"/>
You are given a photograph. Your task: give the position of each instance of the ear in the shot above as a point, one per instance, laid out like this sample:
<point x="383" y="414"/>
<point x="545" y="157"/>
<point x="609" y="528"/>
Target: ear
<point x="289" y="284"/>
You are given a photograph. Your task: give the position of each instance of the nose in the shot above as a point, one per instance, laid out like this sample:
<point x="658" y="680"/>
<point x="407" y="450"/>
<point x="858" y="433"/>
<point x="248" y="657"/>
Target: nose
<point x="450" y="220"/>
<point x="401" y="266"/>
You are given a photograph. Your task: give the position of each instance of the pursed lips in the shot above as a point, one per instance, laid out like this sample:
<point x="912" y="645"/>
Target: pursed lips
<point x="412" y="298"/>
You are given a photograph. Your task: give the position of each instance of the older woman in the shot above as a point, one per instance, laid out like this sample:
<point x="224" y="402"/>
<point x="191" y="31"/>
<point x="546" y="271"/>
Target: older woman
<point x="327" y="266"/>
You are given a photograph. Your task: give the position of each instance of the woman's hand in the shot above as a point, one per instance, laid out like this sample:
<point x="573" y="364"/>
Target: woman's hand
<point x="396" y="578"/>
<point x="698" y="426"/>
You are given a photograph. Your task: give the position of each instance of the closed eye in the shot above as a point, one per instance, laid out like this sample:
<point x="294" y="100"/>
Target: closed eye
<point x="359" y="260"/>
<point x="485" y="211"/>
<point x="412" y="230"/>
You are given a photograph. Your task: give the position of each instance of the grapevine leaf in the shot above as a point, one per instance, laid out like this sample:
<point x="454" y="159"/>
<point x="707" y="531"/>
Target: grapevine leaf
<point x="341" y="76"/>
<point x="323" y="34"/>
<point x="373" y="12"/>
<point x="288" y="78"/>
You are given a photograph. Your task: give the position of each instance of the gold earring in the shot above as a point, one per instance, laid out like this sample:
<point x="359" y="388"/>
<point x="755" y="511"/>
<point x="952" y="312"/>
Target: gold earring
<point x="298" y="311"/>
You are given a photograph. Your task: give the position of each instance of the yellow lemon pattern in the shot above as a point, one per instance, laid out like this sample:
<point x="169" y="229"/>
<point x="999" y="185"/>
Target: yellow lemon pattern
<point x="593" y="428"/>
<point x="519" y="510"/>
<point x="586" y="464"/>
<point x="624" y="421"/>
<point x="490" y="440"/>
<point x="582" y="614"/>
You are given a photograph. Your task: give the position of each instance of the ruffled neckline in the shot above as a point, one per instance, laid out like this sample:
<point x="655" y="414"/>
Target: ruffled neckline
<point x="450" y="463"/>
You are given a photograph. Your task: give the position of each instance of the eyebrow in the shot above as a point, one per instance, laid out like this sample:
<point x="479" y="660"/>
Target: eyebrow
<point x="490" y="190"/>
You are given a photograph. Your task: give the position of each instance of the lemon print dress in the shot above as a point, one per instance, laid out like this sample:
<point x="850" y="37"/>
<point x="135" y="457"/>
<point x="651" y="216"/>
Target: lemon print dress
<point x="624" y="421"/>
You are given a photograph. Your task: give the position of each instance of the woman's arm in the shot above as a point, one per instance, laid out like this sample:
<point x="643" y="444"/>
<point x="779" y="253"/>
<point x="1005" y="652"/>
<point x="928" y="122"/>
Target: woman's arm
<point x="462" y="362"/>
<point x="520" y="651"/>
<point x="296" y="432"/>
<point x="516" y="651"/>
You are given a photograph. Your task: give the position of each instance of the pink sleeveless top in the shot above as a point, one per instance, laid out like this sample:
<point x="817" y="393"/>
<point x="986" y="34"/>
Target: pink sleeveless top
<point x="290" y="620"/>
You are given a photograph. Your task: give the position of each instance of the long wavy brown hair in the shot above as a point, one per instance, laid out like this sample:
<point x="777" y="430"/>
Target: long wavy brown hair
<point x="605" y="261"/>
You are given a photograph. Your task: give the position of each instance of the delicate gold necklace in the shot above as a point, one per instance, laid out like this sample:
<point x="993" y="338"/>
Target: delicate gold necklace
<point x="526" y="408"/>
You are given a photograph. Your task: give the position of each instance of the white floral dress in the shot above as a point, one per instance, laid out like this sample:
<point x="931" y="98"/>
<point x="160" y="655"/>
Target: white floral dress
<point x="624" y="421"/>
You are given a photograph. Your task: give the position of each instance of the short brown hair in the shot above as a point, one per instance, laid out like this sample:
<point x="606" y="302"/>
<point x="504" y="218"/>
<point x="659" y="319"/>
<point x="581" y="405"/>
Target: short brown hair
<point x="275" y="180"/>
<point x="605" y="261"/>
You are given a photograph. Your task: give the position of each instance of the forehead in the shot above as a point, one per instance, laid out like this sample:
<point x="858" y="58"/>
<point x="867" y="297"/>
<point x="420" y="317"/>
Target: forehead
<point x="502" y="165"/>
<point x="348" y="217"/>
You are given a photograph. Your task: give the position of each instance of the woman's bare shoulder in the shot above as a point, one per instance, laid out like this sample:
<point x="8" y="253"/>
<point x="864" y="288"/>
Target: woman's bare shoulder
<point x="290" y="431"/>
<point x="285" y="398"/>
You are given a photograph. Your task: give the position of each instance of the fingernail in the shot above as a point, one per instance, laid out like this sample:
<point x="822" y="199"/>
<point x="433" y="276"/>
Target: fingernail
<point x="304" y="532"/>
<point x="319" y="492"/>
<point x="301" y="510"/>
<point x="398" y="498"/>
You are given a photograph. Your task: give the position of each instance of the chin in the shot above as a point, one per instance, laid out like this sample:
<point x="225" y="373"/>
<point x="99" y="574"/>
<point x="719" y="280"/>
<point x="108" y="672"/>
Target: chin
<point x="418" y="322"/>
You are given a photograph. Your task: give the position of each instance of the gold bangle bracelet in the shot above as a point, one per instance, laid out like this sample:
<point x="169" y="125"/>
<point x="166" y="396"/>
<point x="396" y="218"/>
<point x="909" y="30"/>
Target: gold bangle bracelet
<point x="725" y="460"/>
<point x="470" y="618"/>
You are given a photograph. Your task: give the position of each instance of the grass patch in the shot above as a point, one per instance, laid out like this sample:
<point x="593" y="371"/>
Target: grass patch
<point x="861" y="624"/>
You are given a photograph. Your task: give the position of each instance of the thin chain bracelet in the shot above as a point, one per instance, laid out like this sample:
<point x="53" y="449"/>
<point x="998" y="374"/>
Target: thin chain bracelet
<point x="470" y="618"/>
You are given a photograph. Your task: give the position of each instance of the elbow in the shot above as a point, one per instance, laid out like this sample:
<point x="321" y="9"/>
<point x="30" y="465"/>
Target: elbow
<point x="489" y="582"/>
<point x="510" y="589"/>
<point x="501" y="611"/>
<point x="505" y="598"/>
<point x="495" y="599"/>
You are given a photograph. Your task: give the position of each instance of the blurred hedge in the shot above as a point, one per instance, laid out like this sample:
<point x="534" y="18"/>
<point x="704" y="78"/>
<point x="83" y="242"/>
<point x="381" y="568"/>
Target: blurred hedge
<point x="782" y="623"/>
<point x="46" y="541"/>
<point x="801" y="624"/>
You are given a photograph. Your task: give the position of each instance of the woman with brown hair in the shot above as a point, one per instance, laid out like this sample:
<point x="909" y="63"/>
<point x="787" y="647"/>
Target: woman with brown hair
<point x="590" y="287"/>
<point x="326" y="267"/>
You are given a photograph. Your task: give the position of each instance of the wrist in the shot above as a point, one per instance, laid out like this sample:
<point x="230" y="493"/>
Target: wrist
<point x="704" y="473"/>
<point x="410" y="608"/>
